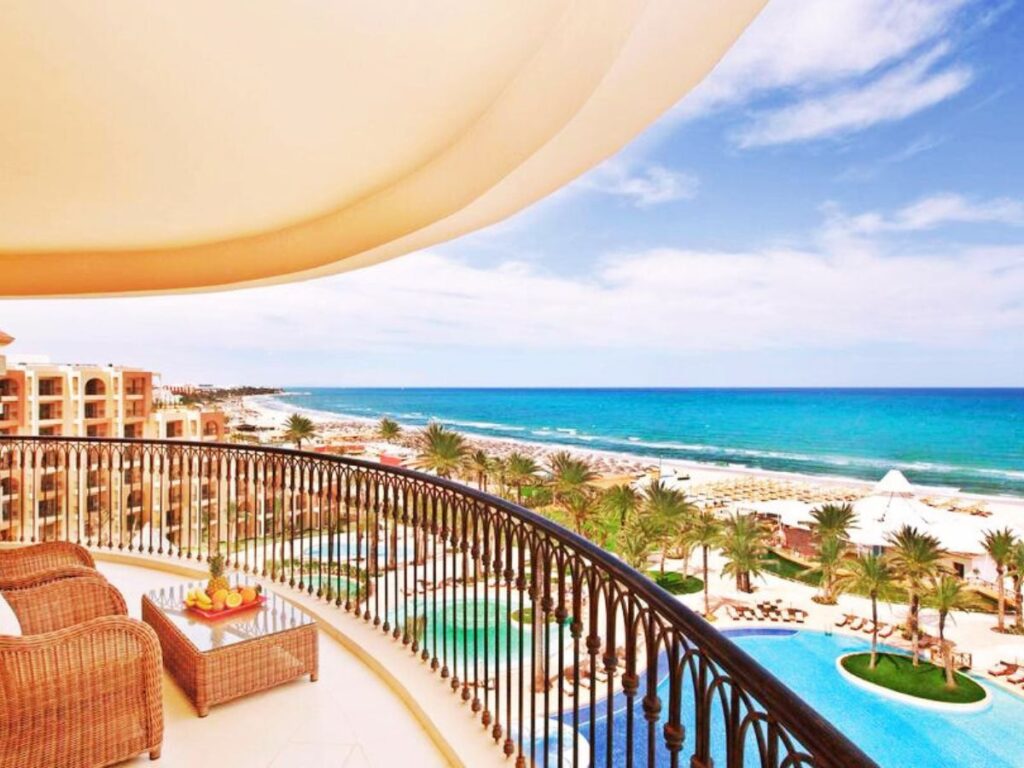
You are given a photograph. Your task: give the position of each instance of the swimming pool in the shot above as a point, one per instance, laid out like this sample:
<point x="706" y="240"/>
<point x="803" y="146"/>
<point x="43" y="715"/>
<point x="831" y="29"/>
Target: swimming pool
<point x="896" y="735"/>
<point x="346" y="548"/>
<point x="459" y="631"/>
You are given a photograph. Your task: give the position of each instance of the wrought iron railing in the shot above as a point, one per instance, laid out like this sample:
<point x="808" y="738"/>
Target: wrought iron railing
<point x="566" y="655"/>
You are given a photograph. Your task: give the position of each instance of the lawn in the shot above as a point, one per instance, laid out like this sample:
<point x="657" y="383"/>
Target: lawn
<point x="790" y="569"/>
<point x="925" y="681"/>
<point x="676" y="583"/>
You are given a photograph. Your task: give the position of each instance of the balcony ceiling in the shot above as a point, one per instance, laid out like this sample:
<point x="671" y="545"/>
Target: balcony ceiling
<point x="159" y="147"/>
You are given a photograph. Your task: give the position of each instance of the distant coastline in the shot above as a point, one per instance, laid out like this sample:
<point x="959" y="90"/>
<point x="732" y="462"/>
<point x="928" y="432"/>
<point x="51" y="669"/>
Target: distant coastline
<point x="618" y="423"/>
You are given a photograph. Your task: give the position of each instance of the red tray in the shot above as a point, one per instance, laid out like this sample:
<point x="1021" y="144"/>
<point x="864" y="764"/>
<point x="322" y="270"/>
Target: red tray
<point x="260" y="600"/>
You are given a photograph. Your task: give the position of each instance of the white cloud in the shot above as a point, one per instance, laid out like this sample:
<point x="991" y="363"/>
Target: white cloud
<point x="899" y="93"/>
<point x="651" y="185"/>
<point x="929" y="213"/>
<point x="839" y="293"/>
<point x="869" y="171"/>
<point x="823" y="56"/>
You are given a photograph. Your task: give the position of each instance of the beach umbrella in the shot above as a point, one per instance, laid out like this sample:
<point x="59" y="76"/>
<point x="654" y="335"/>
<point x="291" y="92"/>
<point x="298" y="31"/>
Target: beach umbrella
<point x="160" y="147"/>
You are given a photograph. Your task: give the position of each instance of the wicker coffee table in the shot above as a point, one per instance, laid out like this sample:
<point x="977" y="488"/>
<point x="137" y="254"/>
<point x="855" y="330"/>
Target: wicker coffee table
<point x="222" y="659"/>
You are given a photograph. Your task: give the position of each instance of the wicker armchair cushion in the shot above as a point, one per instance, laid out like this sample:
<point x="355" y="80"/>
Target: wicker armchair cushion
<point x="8" y="621"/>
<point x="64" y="603"/>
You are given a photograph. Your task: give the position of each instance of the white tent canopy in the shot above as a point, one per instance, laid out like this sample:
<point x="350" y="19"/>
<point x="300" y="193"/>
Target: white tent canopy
<point x="894" y="483"/>
<point x="158" y="147"/>
<point x="880" y="514"/>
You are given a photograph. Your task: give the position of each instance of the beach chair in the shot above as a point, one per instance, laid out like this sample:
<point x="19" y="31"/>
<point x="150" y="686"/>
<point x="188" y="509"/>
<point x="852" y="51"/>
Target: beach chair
<point x="1016" y="680"/>
<point x="847" y="618"/>
<point x="1007" y="669"/>
<point x="797" y="614"/>
<point x="856" y="624"/>
<point x="868" y="627"/>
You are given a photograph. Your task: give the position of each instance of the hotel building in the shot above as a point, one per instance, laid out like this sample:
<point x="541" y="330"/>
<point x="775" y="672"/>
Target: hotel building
<point x="40" y="398"/>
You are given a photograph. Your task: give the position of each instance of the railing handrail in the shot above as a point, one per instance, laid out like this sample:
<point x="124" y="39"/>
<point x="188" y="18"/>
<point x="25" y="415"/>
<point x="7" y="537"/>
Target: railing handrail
<point x="812" y="730"/>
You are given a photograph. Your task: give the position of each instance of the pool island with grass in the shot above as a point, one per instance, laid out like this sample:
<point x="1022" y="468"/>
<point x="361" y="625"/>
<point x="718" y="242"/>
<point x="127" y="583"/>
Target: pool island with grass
<point x="895" y="672"/>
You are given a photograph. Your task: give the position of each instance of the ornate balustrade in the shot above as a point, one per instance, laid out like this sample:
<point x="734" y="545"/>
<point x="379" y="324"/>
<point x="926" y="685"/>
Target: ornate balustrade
<point x="566" y="655"/>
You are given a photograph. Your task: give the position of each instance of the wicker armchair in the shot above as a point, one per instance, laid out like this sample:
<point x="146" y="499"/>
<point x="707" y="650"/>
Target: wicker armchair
<point x="21" y="562"/>
<point x="58" y="604"/>
<point x="86" y="695"/>
<point x="45" y="576"/>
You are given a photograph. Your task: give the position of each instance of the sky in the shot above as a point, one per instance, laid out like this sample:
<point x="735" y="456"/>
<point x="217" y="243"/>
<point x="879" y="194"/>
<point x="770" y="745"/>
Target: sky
<point x="840" y="203"/>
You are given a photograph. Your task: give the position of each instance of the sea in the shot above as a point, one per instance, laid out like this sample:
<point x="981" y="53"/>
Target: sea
<point x="971" y="440"/>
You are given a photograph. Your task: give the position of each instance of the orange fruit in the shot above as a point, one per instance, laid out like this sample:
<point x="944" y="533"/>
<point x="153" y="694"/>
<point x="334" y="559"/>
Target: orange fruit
<point x="220" y="594"/>
<point x="233" y="600"/>
<point x="218" y="605"/>
<point x="248" y="595"/>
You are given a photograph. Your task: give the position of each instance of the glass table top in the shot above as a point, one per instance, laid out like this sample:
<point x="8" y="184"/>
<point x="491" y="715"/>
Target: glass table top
<point x="275" y="615"/>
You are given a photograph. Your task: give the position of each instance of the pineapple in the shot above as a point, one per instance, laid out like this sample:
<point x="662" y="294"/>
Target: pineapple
<point x="218" y="580"/>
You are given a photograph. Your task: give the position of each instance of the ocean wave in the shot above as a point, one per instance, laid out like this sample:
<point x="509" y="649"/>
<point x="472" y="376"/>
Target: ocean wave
<point x="855" y="466"/>
<point x="483" y="425"/>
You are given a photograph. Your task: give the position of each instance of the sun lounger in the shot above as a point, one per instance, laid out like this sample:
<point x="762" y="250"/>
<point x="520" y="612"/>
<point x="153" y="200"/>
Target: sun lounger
<point x="1007" y="669"/>
<point x="868" y="627"/>
<point x="797" y="614"/>
<point x="856" y="624"/>
<point x="1016" y="680"/>
<point x="847" y="618"/>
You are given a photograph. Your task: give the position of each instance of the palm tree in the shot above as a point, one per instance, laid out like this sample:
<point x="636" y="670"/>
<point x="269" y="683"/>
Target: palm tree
<point x="744" y="545"/>
<point x="619" y="502"/>
<point x="915" y="557"/>
<point x="580" y="507"/>
<point x="999" y="545"/>
<point x="520" y="469"/>
<point x="947" y="594"/>
<point x="388" y="429"/>
<point x="830" y="552"/>
<point x="704" y="532"/>
<point x="569" y="476"/>
<point x="868" y="574"/>
<point x="669" y="510"/>
<point x="1017" y="573"/>
<point x="636" y="541"/>
<point x="299" y="428"/>
<point x="481" y="464"/>
<point x="440" y="450"/>
<point x="831" y="520"/>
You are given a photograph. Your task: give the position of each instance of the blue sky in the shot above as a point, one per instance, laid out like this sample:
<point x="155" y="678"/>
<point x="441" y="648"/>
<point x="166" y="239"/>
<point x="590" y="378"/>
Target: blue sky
<point x="840" y="203"/>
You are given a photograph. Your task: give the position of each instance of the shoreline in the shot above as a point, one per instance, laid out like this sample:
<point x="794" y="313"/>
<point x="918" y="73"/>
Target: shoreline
<point x="256" y="410"/>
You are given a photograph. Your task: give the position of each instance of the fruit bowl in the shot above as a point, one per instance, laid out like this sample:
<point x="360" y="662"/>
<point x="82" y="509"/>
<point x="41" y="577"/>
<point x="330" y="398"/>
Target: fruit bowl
<point x="223" y="602"/>
<point x="212" y="614"/>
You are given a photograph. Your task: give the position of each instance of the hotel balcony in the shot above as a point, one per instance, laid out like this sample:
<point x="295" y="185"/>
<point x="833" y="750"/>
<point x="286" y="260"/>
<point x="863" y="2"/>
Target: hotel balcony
<point x="421" y="589"/>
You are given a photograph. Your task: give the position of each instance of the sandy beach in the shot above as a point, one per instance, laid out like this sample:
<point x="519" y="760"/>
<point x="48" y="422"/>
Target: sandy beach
<point x="263" y="413"/>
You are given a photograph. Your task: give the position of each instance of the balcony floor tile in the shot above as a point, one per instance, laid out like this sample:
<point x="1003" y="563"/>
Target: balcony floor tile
<point x="348" y="718"/>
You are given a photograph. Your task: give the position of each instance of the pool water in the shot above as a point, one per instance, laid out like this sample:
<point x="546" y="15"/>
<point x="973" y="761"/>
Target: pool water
<point x="346" y="548"/>
<point x="460" y="629"/>
<point x="894" y="734"/>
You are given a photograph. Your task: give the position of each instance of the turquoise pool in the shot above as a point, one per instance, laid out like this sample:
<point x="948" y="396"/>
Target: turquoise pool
<point x="460" y="628"/>
<point x="896" y="735"/>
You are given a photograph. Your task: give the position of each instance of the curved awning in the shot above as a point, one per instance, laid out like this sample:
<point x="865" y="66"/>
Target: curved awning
<point x="157" y="147"/>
